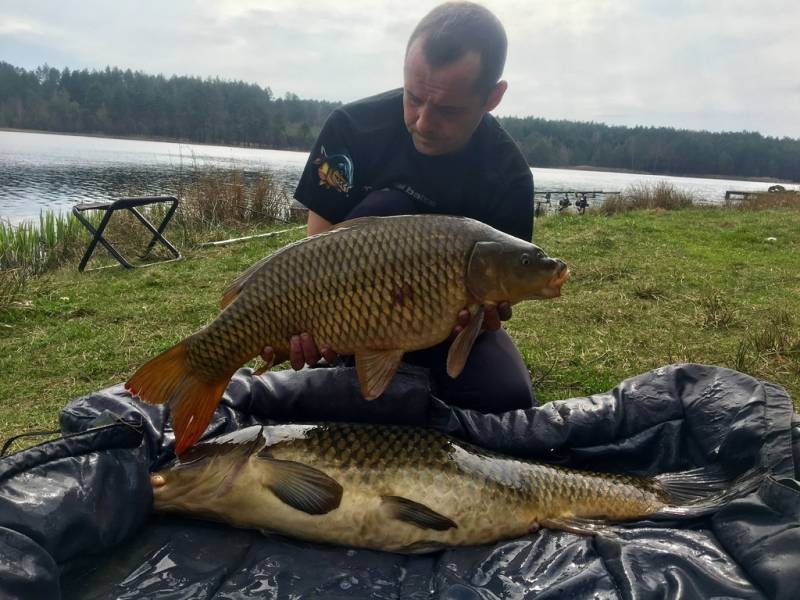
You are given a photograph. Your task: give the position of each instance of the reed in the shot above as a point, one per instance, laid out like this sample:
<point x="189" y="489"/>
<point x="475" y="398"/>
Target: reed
<point x="12" y="282"/>
<point x="661" y="195"/>
<point x="217" y="200"/>
<point x="768" y="200"/>
<point x="39" y="246"/>
<point x="213" y="203"/>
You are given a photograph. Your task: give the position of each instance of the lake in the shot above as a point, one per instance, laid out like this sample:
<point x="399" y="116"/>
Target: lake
<point x="43" y="171"/>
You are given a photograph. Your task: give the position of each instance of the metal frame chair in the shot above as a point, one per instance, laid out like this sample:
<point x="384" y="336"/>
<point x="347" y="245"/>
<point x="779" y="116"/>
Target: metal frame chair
<point x="129" y="204"/>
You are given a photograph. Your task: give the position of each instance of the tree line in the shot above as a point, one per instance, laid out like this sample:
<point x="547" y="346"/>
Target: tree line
<point x="655" y="149"/>
<point x="131" y="103"/>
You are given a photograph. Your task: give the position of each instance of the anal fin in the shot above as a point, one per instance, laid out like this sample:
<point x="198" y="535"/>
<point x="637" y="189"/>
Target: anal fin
<point x="375" y="369"/>
<point x="416" y="514"/>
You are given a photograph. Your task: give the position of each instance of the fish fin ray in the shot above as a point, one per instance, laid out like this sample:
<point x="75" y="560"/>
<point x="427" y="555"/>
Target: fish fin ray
<point x="462" y="345"/>
<point x="375" y="369"/>
<point x="416" y="514"/>
<point x="302" y="487"/>
<point x="155" y="381"/>
<point x="192" y="399"/>
<point x="700" y="492"/>
<point x="192" y="406"/>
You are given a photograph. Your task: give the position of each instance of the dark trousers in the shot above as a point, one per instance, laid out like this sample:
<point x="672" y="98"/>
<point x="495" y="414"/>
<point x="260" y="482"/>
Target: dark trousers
<point x="495" y="378"/>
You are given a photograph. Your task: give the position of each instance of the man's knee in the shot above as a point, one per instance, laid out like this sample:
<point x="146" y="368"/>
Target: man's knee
<point x="491" y="396"/>
<point x="495" y="378"/>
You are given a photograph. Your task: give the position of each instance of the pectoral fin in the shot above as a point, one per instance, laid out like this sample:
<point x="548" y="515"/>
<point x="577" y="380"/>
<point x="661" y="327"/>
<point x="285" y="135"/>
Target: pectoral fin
<point x="461" y="346"/>
<point x="302" y="487"/>
<point x="375" y="370"/>
<point x="416" y="514"/>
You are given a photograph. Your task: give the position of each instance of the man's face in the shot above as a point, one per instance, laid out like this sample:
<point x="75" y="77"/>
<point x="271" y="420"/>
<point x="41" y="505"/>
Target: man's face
<point x="441" y="107"/>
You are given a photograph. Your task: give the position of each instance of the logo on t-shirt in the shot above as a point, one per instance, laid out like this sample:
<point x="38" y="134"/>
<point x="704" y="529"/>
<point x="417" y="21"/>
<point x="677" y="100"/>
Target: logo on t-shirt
<point x="415" y="195"/>
<point x="334" y="171"/>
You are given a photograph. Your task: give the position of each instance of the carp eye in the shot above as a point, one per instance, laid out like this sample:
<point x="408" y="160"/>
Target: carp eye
<point x="525" y="259"/>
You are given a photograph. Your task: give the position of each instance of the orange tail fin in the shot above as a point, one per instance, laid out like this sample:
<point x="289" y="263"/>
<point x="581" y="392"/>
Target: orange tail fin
<point x="192" y="399"/>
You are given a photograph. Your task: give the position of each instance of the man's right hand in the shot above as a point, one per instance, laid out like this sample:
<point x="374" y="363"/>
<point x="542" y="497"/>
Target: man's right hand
<point x="302" y="351"/>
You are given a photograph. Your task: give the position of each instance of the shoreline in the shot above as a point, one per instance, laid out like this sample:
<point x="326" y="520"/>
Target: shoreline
<point x="764" y="180"/>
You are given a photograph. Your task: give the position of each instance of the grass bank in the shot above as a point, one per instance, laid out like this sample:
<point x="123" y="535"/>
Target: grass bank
<point x="649" y="288"/>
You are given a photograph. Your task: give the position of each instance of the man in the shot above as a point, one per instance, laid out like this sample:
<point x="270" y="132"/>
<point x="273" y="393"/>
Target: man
<point x="432" y="147"/>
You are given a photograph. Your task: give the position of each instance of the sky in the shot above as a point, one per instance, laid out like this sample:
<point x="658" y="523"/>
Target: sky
<point x="715" y="65"/>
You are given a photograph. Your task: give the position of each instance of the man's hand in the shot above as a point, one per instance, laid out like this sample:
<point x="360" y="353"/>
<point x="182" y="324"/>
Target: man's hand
<point x="493" y="314"/>
<point x="302" y="351"/>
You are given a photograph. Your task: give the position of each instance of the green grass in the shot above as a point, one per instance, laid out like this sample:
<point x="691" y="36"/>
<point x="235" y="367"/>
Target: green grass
<point x="649" y="288"/>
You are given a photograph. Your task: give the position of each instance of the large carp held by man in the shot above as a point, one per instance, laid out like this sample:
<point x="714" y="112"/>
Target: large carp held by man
<point x="374" y="287"/>
<point x="412" y="490"/>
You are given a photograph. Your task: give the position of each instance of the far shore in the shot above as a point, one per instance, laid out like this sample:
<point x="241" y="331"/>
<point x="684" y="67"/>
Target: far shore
<point x="634" y="172"/>
<point x="304" y="150"/>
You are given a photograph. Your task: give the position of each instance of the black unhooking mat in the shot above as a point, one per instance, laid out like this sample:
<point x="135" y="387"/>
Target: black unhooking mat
<point x="76" y="522"/>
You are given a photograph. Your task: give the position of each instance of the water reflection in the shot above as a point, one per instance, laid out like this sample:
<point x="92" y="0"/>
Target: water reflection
<point x="27" y="189"/>
<point x="52" y="172"/>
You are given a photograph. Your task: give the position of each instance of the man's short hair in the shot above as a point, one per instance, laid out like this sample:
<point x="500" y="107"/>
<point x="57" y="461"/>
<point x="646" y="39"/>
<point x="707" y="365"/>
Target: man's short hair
<point x="452" y="29"/>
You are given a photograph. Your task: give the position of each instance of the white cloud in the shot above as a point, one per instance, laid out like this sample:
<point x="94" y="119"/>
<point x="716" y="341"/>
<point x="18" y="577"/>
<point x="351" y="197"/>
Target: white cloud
<point x="12" y="26"/>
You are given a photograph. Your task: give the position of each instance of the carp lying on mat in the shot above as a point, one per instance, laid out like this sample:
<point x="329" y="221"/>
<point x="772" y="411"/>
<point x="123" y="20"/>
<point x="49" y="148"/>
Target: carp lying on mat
<point x="375" y="287"/>
<point x="411" y="490"/>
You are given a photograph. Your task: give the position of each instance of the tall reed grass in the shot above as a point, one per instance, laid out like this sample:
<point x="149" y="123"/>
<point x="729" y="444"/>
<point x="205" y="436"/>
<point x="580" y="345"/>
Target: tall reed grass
<point x="786" y="199"/>
<point x="662" y="195"/>
<point x="216" y="199"/>
<point x="213" y="203"/>
<point x="36" y="246"/>
<point x="12" y="282"/>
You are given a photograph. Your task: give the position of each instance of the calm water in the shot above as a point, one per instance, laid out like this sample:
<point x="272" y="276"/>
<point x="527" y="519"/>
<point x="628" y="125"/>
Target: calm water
<point x="40" y="171"/>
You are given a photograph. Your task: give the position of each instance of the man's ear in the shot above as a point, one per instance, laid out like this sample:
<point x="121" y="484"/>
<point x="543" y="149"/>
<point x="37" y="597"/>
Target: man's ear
<point x="495" y="96"/>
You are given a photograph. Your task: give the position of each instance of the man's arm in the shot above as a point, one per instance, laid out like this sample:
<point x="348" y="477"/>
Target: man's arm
<point x="317" y="224"/>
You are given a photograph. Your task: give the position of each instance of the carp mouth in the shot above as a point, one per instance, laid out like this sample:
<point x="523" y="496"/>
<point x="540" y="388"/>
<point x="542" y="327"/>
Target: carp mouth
<point x="553" y="287"/>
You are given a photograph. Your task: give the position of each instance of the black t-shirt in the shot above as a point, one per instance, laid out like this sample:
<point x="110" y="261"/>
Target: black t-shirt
<point x="364" y="146"/>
